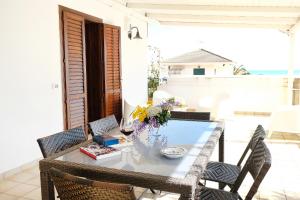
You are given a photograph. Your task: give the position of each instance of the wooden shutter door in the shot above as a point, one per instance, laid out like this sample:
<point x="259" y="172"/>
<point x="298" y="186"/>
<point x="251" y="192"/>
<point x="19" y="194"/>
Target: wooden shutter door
<point x="112" y="69"/>
<point x="75" y="70"/>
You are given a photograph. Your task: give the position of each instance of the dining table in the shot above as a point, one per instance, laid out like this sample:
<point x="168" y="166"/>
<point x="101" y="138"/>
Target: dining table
<point x="141" y="162"/>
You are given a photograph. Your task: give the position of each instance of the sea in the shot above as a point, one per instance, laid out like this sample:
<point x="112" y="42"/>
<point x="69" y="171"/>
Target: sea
<point x="272" y="72"/>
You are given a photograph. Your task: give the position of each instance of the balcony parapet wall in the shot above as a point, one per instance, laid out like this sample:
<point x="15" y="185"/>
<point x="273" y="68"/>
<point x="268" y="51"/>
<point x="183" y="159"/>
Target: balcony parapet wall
<point x="234" y="94"/>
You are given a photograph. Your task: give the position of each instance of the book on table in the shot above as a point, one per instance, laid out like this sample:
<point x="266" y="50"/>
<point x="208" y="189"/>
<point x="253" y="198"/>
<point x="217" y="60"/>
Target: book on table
<point x="105" y="140"/>
<point x="109" y="140"/>
<point x="97" y="151"/>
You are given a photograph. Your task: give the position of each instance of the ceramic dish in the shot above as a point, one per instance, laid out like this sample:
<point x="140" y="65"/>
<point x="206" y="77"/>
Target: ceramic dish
<point x="173" y="152"/>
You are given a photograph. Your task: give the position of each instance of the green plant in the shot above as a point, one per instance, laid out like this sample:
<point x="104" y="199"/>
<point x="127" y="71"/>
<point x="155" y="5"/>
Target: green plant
<point x="153" y="71"/>
<point x="153" y="82"/>
<point x="240" y="70"/>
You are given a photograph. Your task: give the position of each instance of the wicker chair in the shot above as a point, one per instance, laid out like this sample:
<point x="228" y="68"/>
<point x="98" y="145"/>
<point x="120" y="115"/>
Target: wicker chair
<point x="60" y="141"/>
<point x="102" y="126"/>
<point x="258" y="164"/>
<point x="227" y="173"/>
<point x="71" y="187"/>
<point x="190" y="115"/>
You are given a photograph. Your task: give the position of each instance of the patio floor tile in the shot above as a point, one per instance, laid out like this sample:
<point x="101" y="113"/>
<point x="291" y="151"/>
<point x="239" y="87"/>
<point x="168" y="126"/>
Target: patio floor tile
<point x="7" y="197"/>
<point x="35" y="181"/>
<point x="34" y="170"/>
<point x="22" y="177"/>
<point x="138" y="191"/>
<point x="21" y="190"/>
<point x="34" y="195"/>
<point x="272" y="194"/>
<point x="292" y="195"/>
<point x="163" y="196"/>
<point x="6" y="185"/>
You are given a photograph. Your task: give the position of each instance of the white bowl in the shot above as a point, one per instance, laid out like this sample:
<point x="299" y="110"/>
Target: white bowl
<point x="173" y="152"/>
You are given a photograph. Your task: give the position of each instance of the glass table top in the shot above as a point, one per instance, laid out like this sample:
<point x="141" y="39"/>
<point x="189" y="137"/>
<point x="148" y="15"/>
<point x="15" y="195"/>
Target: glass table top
<point x="144" y="153"/>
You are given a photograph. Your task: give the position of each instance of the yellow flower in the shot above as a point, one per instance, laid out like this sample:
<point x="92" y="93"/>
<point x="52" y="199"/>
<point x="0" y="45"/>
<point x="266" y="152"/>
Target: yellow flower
<point x="142" y="116"/>
<point x="140" y="113"/>
<point x="136" y="112"/>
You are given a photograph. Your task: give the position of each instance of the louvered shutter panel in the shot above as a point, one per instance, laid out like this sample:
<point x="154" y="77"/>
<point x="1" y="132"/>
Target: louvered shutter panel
<point x="113" y="97"/>
<point x="75" y="70"/>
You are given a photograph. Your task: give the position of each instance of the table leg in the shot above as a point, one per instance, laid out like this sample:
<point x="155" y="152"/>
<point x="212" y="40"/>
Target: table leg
<point x="47" y="187"/>
<point x="221" y="148"/>
<point x="221" y="155"/>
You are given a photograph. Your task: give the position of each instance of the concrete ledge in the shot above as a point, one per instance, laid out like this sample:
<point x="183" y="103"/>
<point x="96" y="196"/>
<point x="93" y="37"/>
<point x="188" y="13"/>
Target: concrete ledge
<point x="252" y="113"/>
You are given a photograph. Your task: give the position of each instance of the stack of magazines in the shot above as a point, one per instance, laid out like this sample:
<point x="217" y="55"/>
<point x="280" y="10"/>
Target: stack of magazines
<point x="97" y="151"/>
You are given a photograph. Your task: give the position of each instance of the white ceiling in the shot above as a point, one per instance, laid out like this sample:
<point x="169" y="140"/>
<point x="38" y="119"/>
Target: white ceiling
<point x="278" y="14"/>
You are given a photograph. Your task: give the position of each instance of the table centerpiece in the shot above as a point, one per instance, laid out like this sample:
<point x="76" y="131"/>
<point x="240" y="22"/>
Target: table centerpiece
<point x="152" y="116"/>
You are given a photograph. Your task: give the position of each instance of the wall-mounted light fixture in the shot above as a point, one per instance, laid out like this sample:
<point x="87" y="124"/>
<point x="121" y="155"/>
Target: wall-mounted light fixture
<point x="137" y="36"/>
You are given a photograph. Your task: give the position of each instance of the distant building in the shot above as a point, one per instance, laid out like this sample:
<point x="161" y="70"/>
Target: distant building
<point x="200" y="62"/>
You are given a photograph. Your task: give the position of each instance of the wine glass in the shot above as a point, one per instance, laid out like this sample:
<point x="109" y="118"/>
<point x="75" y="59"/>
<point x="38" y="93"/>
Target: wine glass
<point x="126" y="126"/>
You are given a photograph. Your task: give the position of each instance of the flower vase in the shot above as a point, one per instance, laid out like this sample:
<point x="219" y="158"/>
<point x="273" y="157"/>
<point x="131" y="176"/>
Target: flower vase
<point x="155" y="132"/>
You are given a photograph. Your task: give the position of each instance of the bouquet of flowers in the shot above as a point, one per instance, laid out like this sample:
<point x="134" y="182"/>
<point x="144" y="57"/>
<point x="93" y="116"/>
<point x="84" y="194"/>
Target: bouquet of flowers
<point x="151" y="116"/>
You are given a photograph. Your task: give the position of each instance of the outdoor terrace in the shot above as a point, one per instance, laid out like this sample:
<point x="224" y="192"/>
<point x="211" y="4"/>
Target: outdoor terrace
<point x="280" y="183"/>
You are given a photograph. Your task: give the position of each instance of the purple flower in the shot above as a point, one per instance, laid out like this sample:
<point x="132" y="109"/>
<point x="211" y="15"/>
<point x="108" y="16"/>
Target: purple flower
<point x="153" y="122"/>
<point x="166" y="106"/>
<point x="139" y="126"/>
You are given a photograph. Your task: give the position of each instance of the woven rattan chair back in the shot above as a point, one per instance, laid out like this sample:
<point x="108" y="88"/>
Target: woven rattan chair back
<point x="71" y="187"/>
<point x="258" y="164"/>
<point x="190" y="115"/>
<point x="104" y="125"/>
<point x="60" y="141"/>
<point x="259" y="134"/>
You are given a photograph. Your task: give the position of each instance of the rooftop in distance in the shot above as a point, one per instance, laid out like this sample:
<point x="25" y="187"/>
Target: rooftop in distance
<point x="197" y="57"/>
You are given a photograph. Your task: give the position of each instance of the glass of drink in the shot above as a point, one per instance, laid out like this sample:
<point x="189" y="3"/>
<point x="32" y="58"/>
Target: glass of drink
<point x="126" y="126"/>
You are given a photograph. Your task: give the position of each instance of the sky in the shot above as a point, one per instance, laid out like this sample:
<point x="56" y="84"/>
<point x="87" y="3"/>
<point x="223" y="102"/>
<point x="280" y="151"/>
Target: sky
<point x="256" y="49"/>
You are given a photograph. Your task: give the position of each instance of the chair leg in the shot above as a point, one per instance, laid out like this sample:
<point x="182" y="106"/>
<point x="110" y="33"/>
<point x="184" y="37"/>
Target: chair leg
<point x="154" y="192"/>
<point x="202" y="184"/>
<point x="222" y="186"/>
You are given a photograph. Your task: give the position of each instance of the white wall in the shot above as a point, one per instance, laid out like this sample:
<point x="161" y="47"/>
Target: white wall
<point x="240" y="93"/>
<point x="30" y="64"/>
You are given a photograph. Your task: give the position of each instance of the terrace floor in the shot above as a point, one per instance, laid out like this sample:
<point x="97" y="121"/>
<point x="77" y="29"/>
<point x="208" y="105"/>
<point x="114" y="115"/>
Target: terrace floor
<point x="282" y="182"/>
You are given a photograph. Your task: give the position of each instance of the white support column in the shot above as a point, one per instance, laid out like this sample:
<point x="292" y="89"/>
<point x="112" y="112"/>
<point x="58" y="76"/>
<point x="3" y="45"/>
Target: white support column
<point x="291" y="67"/>
<point x="294" y="58"/>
